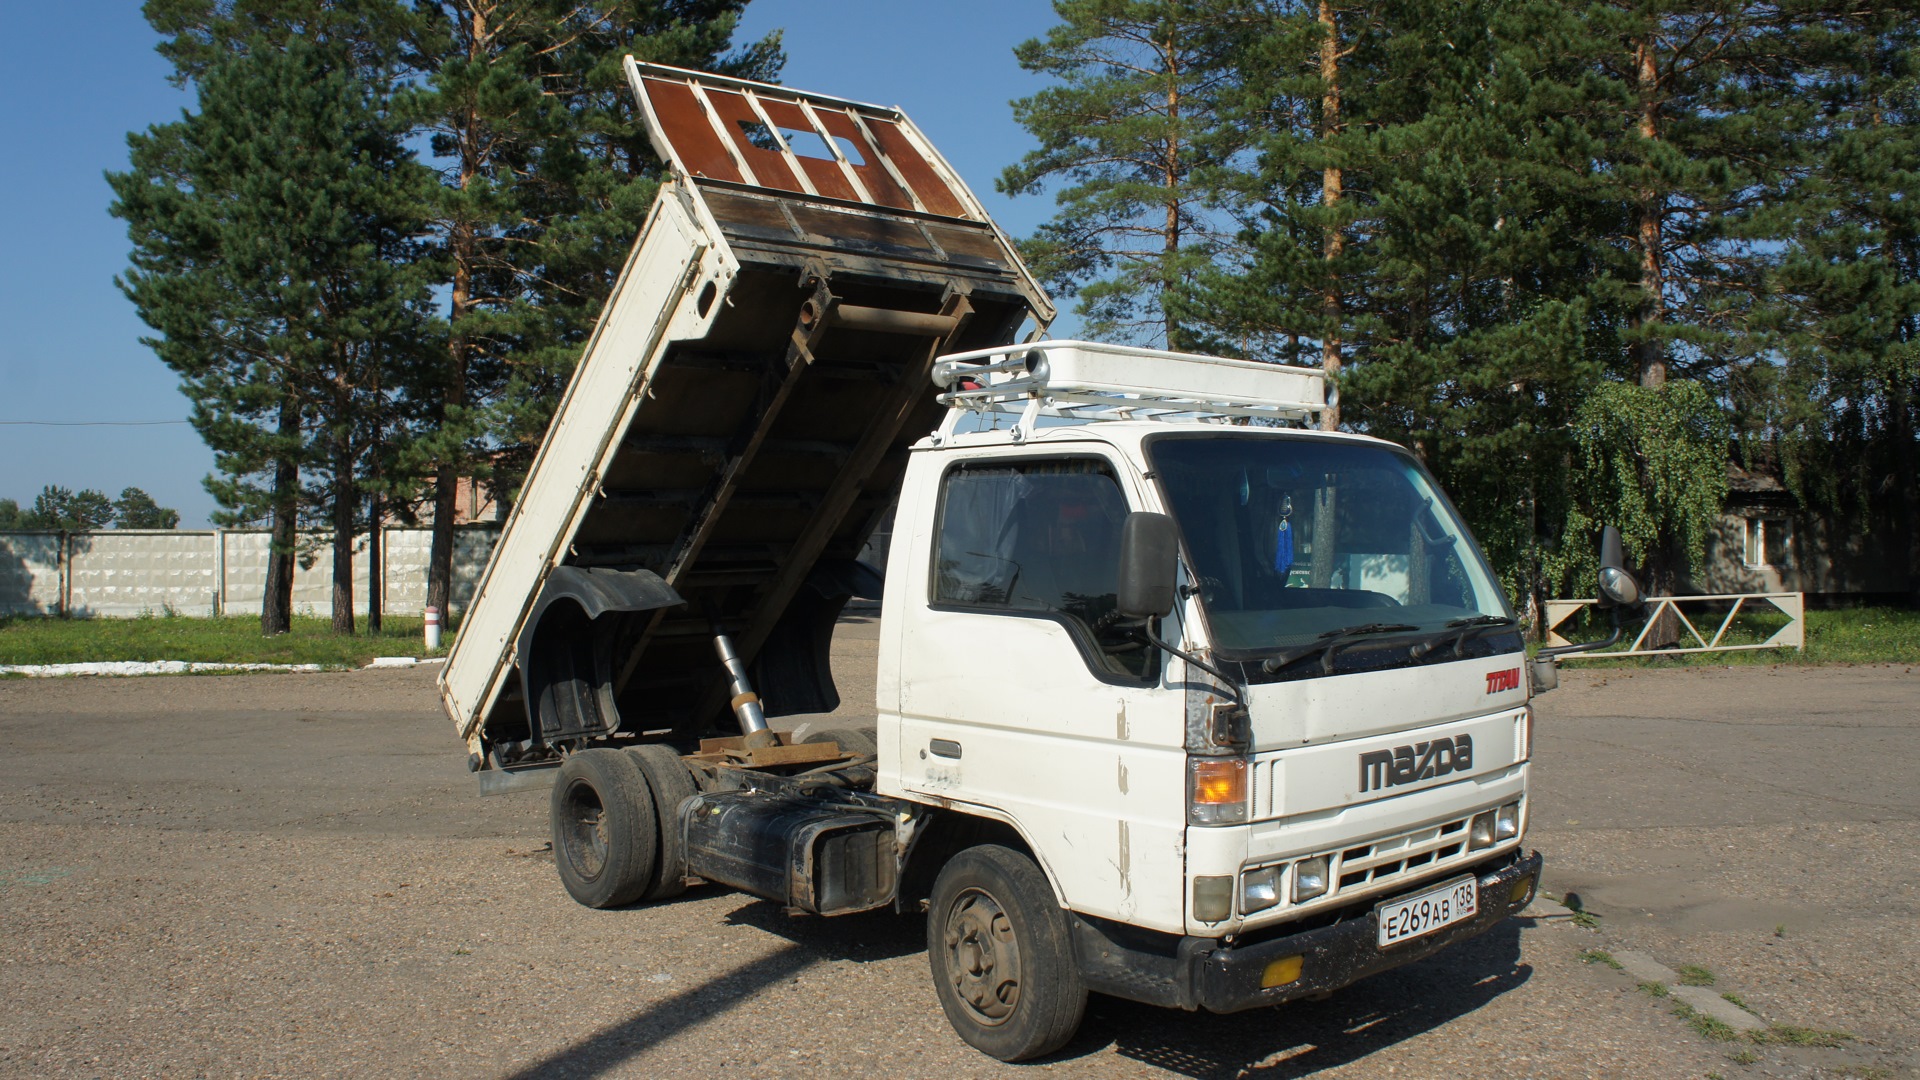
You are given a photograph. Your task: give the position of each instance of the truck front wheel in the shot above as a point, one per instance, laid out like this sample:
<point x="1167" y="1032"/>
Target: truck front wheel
<point x="604" y="833"/>
<point x="1002" y="963"/>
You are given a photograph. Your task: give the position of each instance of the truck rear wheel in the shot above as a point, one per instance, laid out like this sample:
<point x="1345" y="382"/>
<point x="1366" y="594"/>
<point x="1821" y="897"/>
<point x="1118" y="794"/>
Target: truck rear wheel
<point x="1002" y="963"/>
<point x="605" y="835"/>
<point x="672" y="785"/>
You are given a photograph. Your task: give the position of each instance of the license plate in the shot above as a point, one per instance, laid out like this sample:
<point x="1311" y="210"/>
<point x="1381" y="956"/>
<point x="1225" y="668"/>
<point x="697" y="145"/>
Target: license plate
<point x="1416" y="916"/>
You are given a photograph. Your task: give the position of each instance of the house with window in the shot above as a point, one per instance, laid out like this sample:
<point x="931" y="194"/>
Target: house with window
<point x="1767" y="540"/>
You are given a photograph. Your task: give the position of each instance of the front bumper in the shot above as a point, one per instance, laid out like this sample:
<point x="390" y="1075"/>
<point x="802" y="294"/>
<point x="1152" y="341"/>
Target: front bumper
<point x="1200" y="973"/>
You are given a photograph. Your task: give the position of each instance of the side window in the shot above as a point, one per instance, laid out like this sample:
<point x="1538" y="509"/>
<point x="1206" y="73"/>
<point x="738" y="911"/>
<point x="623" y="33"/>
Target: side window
<point x="1039" y="536"/>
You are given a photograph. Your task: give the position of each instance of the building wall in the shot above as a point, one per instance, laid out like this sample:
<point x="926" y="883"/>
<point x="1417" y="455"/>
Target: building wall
<point x="1822" y="557"/>
<point x="219" y="571"/>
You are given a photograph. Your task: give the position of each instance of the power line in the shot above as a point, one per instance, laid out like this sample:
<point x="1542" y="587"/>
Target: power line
<point x="89" y="423"/>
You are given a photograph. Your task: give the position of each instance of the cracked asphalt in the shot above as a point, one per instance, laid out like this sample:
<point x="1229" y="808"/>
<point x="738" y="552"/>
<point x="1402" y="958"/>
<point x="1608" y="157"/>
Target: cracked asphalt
<point x="291" y="875"/>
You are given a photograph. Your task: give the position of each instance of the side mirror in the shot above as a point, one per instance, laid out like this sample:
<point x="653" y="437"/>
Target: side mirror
<point x="1149" y="554"/>
<point x="1617" y="587"/>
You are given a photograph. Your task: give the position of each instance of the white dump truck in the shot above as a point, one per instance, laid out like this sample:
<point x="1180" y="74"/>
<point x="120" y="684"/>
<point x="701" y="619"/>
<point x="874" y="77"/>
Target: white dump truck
<point x="1178" y="700"/>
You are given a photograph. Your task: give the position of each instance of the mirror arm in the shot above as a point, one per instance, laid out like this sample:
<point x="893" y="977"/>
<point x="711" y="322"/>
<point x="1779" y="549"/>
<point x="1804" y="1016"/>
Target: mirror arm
<point x="1239" y="691"/>
<point x="1587" y="646"/>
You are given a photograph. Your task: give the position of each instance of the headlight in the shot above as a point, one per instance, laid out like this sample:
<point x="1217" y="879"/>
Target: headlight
<point x="1260" y="889"/>
<point x="1480" y="831"/>
<point x="1309" y="878"/>
<point x="1506" y="822"/>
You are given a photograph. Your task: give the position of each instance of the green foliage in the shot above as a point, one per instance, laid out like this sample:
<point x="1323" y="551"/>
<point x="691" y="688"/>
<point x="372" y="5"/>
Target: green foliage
<point x="1652" y="462"/>
<point x="10" y="515"/>
<point x="135" y="509"/>
<point x="75" y="511"/>
<point x="1131" y="127"/>
<point x="1538" y="202"/>
<point x="277" y="253"/>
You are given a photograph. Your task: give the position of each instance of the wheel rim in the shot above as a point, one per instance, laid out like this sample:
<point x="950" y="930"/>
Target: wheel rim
<point x="583" y="830"/>
<point x="983" y="959"/>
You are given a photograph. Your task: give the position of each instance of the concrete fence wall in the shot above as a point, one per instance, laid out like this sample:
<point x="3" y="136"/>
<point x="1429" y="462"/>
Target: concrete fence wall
<point x="127" y="573"/>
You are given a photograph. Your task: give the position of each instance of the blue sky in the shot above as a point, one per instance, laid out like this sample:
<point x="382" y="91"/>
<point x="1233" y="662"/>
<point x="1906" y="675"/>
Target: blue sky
<point x="70" y="350"/>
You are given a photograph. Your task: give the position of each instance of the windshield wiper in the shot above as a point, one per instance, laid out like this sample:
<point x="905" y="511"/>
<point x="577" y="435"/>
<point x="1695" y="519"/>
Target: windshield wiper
<point x="1329" y="644"/>
<point x="1459" y="630"/>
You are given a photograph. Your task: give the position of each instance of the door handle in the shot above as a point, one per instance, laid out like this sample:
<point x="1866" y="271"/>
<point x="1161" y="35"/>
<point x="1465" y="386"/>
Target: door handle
<point x="946" y="748"/>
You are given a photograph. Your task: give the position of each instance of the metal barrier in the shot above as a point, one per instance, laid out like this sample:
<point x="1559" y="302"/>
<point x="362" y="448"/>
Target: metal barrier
<point x="1792" y="635"/>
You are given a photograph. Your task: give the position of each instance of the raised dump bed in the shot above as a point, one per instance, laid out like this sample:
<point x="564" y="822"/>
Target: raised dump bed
<point x="738" y="423"/>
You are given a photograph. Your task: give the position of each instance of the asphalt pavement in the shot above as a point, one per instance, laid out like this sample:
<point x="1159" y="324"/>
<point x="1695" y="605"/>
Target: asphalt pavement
<point x="292" y="875"/>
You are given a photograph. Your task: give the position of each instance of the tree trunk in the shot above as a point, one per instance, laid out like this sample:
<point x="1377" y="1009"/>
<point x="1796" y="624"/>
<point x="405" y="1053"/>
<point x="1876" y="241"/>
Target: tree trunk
<point x="1905" y="470"/>
<point x="1170" y="252"/>
<point x="344" y="498"/>
<point x="376" y="572"/>
<point x="276" y="603"/>
<point x="1650" y="351"/>
<point x="461" y="246"/>
<point x="1333" y="242"/>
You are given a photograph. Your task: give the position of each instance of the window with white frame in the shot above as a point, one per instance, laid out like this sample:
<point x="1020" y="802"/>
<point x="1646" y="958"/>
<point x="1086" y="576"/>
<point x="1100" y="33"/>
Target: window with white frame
<point x="1769" y="542"/>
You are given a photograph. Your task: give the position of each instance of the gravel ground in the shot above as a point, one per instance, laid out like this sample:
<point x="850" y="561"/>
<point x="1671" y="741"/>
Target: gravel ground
<point x="290" y="875"/>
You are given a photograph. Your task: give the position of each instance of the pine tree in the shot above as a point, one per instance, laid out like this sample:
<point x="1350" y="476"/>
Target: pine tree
<point x="57" y="507"/>
<point x="135" y="509"/>
<point x="1132" y="128"/>
<point x="268" y="233"/>
<point x="1845" y="406"/>
<point x="545" y="181"/>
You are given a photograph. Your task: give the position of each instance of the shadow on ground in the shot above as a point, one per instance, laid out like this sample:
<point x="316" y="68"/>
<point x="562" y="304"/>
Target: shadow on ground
<point x="1304" y="1037"/>
<point x="1292" y="1040"/>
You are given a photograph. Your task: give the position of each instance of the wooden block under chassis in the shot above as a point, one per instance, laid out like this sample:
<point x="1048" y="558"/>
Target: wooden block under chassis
<point x="732" y="751"/>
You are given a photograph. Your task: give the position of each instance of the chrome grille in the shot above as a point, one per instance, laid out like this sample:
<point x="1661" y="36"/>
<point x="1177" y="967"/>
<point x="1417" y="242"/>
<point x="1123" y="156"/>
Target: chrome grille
<point x="1406" y="854"/>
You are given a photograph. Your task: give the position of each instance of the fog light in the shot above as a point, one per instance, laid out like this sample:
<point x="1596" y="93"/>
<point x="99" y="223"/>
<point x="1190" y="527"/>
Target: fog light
<point x="1212" y="898"/>
<point x="1506" y="822"/>
<point x="1309" y="878"/>
<point x="1281" y="972"/>
<point x="1522" y="891"/>
<point x="1260" y="889"/>
<point x="1480" y="832"/>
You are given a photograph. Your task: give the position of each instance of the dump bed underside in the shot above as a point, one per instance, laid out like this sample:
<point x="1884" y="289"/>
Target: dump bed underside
<point x="758" y="456"/>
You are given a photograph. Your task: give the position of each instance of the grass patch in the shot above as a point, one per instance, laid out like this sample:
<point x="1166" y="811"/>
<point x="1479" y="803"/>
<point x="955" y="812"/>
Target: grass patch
<point x="1582" y="918"/>
<point x="1874" y="635"/>
<point x="1694" y="975"/>
<point x="1600" y="956"/>
<point x="40" y="639"/>
<point x="1736" y="999"/>
<point x="1654" y="989"/>
<point x="1743" y="1056"/>
<point x="1706" y="1026"/>
<point x="1788" y="1035"/>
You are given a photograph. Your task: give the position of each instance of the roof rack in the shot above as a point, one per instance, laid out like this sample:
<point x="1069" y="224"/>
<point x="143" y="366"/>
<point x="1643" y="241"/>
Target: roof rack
<point x="1084" y="380"/>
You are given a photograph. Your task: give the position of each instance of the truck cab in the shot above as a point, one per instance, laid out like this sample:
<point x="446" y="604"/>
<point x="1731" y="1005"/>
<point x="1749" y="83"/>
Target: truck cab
<point x="1329" y="713"/>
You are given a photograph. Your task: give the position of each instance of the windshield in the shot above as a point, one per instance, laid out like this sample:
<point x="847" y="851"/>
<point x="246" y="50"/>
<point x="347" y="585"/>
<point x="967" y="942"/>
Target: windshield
<point x="1298" y="540"/>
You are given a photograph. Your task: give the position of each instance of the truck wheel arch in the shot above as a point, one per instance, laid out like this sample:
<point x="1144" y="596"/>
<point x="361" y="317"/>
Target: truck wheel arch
<point x="947" y="832"/>
<point x="565" y="650"/>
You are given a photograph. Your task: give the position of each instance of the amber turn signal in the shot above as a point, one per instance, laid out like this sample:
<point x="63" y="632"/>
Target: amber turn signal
<point x="1218" y="790"/>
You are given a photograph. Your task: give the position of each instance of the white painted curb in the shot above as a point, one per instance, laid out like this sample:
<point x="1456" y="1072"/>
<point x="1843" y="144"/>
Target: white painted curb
<point x="146" y="667"/>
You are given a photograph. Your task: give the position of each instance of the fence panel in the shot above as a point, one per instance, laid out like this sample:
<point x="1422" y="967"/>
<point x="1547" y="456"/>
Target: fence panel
<point x="129" y="573"/>
<point x="32" y="573"/>
<point x="142" y="572"/>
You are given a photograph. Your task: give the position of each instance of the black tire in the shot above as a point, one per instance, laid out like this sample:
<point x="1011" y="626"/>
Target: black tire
<point x="856" y="741"/>
<point x="604" y="828"/>
<point x="1002" y="959"/>
<point x="672" y="785"/>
